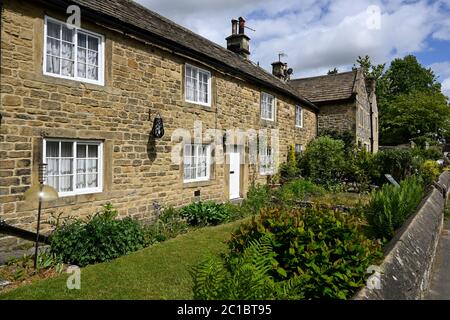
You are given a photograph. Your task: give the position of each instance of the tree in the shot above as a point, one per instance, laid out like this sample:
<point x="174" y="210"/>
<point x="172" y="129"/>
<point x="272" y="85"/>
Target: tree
<point x="407" y="75"/>
<point x="334" y="71"/>
<point x="369" y="69"/>
<point x="413" y="115"/>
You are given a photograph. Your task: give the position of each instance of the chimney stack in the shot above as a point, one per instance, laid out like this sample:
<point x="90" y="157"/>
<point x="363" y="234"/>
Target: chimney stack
<point x="281" y="71"/>
<point x="239" y="42"/>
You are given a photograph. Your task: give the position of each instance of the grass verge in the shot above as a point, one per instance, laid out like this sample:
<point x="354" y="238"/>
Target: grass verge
<point x="161" y="271"/>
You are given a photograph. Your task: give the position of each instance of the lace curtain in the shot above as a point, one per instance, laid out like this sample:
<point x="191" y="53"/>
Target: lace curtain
<point x="60" y="165"/>
<point x="61" y="49"/>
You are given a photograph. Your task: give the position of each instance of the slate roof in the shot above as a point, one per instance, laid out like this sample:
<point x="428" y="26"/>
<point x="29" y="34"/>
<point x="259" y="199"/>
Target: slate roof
<point x="130" y="13"/>
<point x="340" y="86"/>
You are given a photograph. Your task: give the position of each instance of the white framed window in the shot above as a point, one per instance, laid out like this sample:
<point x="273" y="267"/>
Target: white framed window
<point x="298" y="148"/>
<point x="197" y="161"/>
<point x="197" y="85"/>
<point x="267" y="106"/>
<point x="299" y="117"/>
<point x="266" y="162"/>
<point x="74" y="54"/>
<point x="73" y="166"/>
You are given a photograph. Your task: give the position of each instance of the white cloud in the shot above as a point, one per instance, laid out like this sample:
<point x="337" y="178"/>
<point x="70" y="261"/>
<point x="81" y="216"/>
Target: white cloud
<point x="442" y="70"/>
<point x="316" y="35"/>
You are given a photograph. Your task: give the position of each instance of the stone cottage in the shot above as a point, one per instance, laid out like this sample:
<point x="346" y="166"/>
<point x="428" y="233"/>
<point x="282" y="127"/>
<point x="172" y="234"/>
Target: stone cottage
<point x="83" y="100"/>
<point x="347" y="102"/>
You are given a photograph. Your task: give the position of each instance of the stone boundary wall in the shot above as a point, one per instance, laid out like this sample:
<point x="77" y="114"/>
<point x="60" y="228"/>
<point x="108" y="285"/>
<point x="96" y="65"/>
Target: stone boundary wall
<point x="405" y="271"/>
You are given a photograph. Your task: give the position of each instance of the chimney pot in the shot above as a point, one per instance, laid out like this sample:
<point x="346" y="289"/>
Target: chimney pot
<point x="241" y="25"/>
<point x="234" y="24"/>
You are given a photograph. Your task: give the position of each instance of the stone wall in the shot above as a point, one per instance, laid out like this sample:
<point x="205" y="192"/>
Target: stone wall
<point x="340" y="117"/>
<point x="141" y="80"/>
<point x="364" y="119"/>
<point x="405" y="271"/>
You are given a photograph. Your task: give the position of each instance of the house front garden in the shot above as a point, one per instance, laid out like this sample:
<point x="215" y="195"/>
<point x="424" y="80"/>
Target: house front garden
<point x="311" y="234"/>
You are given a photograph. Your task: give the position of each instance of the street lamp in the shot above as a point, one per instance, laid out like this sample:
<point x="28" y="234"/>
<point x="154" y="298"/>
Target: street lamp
<point x="36" y="194"/>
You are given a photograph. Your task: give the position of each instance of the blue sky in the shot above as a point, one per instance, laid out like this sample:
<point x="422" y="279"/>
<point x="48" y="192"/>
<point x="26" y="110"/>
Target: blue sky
<point x="319" y="35"/>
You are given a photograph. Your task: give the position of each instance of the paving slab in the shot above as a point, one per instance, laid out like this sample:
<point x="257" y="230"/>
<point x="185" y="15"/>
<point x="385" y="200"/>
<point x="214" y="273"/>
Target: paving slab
<point x="440" y="282"/>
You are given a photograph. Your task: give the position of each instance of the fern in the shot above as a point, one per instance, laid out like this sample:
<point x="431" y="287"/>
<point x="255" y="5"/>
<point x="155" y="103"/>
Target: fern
<point x="245" y="277"/>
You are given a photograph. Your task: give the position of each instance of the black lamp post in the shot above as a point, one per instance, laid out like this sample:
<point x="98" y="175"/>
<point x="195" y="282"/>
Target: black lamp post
<point x="39" y="193"/>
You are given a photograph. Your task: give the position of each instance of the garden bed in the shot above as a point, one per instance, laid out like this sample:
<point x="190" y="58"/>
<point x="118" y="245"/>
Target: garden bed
<point x="161" y="271"/>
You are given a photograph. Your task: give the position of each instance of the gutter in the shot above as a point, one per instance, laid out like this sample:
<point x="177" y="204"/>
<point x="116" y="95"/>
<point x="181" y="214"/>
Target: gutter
<point x="99" y="17"/>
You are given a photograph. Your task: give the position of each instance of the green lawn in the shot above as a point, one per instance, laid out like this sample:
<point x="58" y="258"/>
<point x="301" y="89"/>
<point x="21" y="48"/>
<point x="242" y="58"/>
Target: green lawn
<point x="161" y="271"/>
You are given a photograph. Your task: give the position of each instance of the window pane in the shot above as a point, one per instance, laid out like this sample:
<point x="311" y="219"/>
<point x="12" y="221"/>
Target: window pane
<point x="93" y="43"/>
<point x="92" y="180"/>
<point x="81" y="181"/>
<point x="65" y="183"/>
<point x="52" y="166"/>
<point x="52" y="149"/>
<point x="81" y="150"/>
<point x="81" y="70"/>
<point x="93" y="58"/>
<point x="93" y="151"/>
<point x="53" y="46"/>
<point x="53" y="64"/>
<point x="66" y="149"/>
<point x="82" y="40"/>
<point x="67" y="68"/>
<point x="92" y="166"/>
<point x="81" y="166"/>
<point x="92" y="73"/>
<point x="67" y="34"/>
<point x="66" y="166"/>
<point x="67" y="51"/>
<point x="53" y="29"/>
<point x="81" y="55"/>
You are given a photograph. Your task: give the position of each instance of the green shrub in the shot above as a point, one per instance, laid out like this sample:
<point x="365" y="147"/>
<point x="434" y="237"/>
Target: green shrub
<point x="289" y="170"/>
<point x="348" y="137"/>
<point x="258" y="197"/>
<point x="205" y="213"/>
<point x="389" y="207"/>
<point x="323" y="161"/>
<point x="99" y="239"/>
<point x="359" y="167"/>
<point x="298" y="190"/>
<point x="244" y="277"/>
<point x="432" y="153"/>
<point x="399" y="163"/>
<point x="168" y="225"/>
<point x="324" y="250"/>
<point x="429" y="171"/>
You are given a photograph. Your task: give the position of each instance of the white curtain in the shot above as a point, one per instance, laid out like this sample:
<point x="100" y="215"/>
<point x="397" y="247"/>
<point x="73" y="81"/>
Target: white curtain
<point x="66" y="179"/>
<point x="52" y="160"/>
<point x="191" y="84"/>
<point x="53" y="47"/>
<point x="203" y="86"/>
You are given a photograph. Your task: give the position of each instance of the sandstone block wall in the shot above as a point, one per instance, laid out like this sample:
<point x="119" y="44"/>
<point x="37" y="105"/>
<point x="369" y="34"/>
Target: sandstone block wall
<point x="141" y="81"/>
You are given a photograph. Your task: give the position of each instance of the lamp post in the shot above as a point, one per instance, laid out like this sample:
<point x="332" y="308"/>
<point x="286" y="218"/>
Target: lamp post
<point x="39" y="193"/>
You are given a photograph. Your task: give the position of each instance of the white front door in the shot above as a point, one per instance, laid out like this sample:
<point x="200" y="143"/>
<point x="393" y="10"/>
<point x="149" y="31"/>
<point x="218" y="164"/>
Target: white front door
<point x="235" y="174"/>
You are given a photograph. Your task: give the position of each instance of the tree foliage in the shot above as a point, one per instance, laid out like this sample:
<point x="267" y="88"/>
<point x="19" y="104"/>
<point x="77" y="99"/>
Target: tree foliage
<point x="410" y="102"/>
